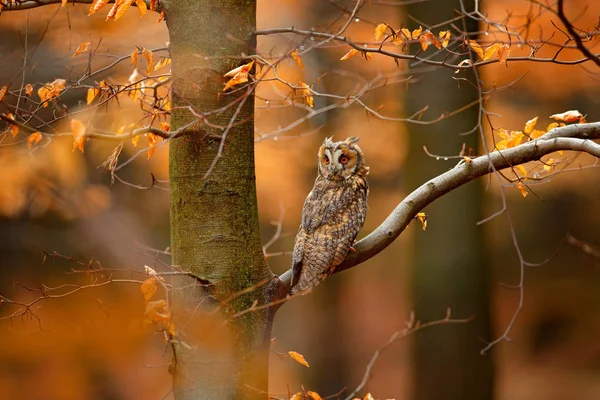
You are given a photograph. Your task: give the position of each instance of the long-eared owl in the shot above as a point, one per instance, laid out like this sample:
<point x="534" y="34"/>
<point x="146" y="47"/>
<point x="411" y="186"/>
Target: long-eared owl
<point x="334" y="211"/>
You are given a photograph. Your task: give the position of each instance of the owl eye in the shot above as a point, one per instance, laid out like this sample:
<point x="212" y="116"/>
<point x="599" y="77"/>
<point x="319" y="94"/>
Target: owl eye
<point x="326" y="160"/>
<point x="343" y="159"/>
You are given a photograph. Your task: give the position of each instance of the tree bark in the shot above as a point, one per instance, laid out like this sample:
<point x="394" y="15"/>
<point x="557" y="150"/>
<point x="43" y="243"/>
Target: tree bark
<point x="214" y="216"/>
<point x="450" y="268"/>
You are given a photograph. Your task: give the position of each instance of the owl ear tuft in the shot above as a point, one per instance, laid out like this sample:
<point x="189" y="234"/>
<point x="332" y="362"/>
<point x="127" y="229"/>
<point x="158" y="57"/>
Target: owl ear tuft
<point x="352" y="140"/>
<point x="328" y="139"/>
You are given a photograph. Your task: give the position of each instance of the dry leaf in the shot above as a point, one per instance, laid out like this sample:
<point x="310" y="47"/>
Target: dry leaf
<point x="529" y="125"/>
<point x="152" y="140"/>
<point x="476" y="47"/>
<point x="239" y="75"/>
<point x="34" y="138"/>
<point x="134" y="58"/>
<point x="296" y="56"/>
<point x="149" y="57"/>
<point x="549" y="164"/>
<point x="157" y="312"/>
<point x="297" y="396"/>
<point x="424" y="42"/>
<point x="51" y="90"/>
<point x="148" y="288"/>
<point x="536" y="134"/>
<point x="314" y="395"/>
<point x="503" y="53"/>
<point x="3" y="91"/>
<point x="521" y="187"/>
<point x="368" y="397"/>
<point x="242" y="68"/>
<point x="417" y="32"/>
<point x="91" y="95"/>
<point x="162" y="62"/>
<point x="569" y="116"/>
<point x="422" y="217"/>
<point x="445" y="38"/>
<point x="380" y="30"/>
<point x="14" y="129"/>
<point x="161" y="16"/>
<point x="153" y="5"/>
<point x="165" y="126"/>
<point x="63" y="3"/>
<point x="97" y="5"/>
<point x="28" y="90"/>
<point x="298" y="357"/>
<point x="78" y="129"/>
<point x="83" y="47"/>
<point x="349" y="54"/>
<point x="307" y="94"/>
<point x="521" y="168"/>
<point x="141" y="5"/>
<point x="512" y="139"/>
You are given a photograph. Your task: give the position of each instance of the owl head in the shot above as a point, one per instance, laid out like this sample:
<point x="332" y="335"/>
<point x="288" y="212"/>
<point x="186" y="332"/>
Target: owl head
<point x="341" y="160"/>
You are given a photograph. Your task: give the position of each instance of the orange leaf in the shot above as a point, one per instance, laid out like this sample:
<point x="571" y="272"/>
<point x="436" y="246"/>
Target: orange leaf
<point x="422" y="217"/>
<point x="297" y="396"/>
<point x="536" y="134"/>
<point x="141" y="5"/>
<point x="503" y="53"/>
<point x="424" y="42"/>
<point x="63" y="3"/>
<point x="242" y="68"/>
<point x="97" y="5"/>
<point x="368" y="397"/>
<point x="14" y="129"/>
<point x="152" y="140"/>
<point x="521" y="187"/>
<point x="445" y="38"/>
<point x="380" y="30"/>
<point x="417" y="32"/>
<point x="569" y="116"/>
<point x="432" y="39"/>
<point x="148" y="288"/>
<point x="162" y="62"/>
<point x="149" y="57"/>
<point x="530" y="125"/>
<point x="307" y="94"/>
<point x="78" y="129"/>
<point x="476" y="48"/>
<point x="134" y="58"/>
<point x="298" y="357"/>
<point x="406" y="33"/>
<point x="367" y="55"/>
<point x="157" y="312"/>
<point x="91" y="95"/>
<point x="165" y="126"/>
<point x="122" y="8"/>
<point x="51" y="90"/>
<point x="153" y="5"/>
<point x="239" y="75"/>
<point x="349" y="54"/>
<point x="28" y="90"/>
<point x="34" y="138"/>
<point x="83" y="47"/>
<point x="491" y="50"/>
<point x="3" y="91"/>
<point x="314" y="395"/>
<point x="161" y="16"/>
<point x="296" y="56"/>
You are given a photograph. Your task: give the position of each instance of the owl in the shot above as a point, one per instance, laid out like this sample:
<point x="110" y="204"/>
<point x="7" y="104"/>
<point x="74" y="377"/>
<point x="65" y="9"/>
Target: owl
<point x="333" y="213"/>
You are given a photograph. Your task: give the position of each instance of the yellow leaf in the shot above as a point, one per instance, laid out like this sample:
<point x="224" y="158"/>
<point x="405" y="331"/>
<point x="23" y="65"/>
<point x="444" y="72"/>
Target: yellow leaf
<point x="512" y="139"/>
<point x="349" y="54"/>
<point x="522" y="169"/>
<point x="171" y="329"/>
<point x="521" y="187"/>
<point x="148" y="288"/>
<point x="380" y="30"/>
<point x="242" y="68"/>
<point x="422" y="217"/>
<point x="406" y="33"/>
<point x="552" y="126"/>
<point x="314" y="395"/>
<point x="516" y="139"/>
<point x="162" y="62"/>
<point x="239" y="75"/>
<point x="83" y="47"/>
<point x="97" y="5"/>
<point x="307" y="94"/>
<point x="149" y="57"/>
<point x="367" y="55"/>
<point x="165" y="126"/>
<point x="569" y="116"/>
<point x="491" y="50"/>
<point x="503" y="133"/>
<point x="28" y="90"/>
<point x="431" y="39"/>
<point x="51" y="90"/>
<point x="467" y="159"/>
<point x="63" y="3"/>
<point x="78" y="129"/>
<point x="91" y="95"/>
<point x="424" y="42"/>
<point x="536" y="134"/>
<point x="530" y="125"/>
<point x="476" y="48"/>
<point x="298" y="357"/>
<point x="296" y="56"/>
<point x="445" y="38"/>
<point x="297" y="396"/>
<point x="141" y="5"/>
<point x="3" y="91"/>
<point x="549" y="164"/>
<point x="134" y="58"/>
<point x="417" y="32"/>
<point x="14" y="129"/>
<point x="152" y="140"/>
<point x="368" y="397"/>
<point x="503" y="53"/>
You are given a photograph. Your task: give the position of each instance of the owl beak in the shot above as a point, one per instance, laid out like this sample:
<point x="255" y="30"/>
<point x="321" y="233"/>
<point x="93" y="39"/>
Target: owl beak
<point x="335" y="169"/>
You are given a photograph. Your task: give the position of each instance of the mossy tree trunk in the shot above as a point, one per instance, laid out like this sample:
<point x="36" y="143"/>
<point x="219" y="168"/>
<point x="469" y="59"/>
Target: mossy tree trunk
<point x="214" y="218"/>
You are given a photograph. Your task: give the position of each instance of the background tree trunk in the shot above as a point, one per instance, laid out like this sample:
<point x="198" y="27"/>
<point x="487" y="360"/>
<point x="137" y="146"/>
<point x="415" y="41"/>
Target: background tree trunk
<point x="214" y="221"/>
<point x="450" y="270"/>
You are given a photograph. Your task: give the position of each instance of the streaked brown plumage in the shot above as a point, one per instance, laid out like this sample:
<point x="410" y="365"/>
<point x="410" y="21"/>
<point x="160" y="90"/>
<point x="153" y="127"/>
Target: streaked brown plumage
<point x="333" y="213"/>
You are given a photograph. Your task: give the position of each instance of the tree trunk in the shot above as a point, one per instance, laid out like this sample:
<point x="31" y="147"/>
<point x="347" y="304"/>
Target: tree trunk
<point x="451" y="268"/>
<point x="214" y="219"/>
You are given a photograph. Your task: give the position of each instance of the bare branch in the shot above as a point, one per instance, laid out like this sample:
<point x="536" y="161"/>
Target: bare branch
<point x="571" y="29"/>
<point x="572" y="137"/>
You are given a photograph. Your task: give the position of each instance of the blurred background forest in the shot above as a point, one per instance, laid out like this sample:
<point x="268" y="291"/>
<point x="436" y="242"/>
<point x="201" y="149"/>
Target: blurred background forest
<point x="93" y="344"/>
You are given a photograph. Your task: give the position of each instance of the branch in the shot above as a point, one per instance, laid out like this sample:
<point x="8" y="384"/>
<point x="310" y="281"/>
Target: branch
<point x="572" y="137"/>
<point x="28" y="4"/>
<point x="563" y="18"/>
